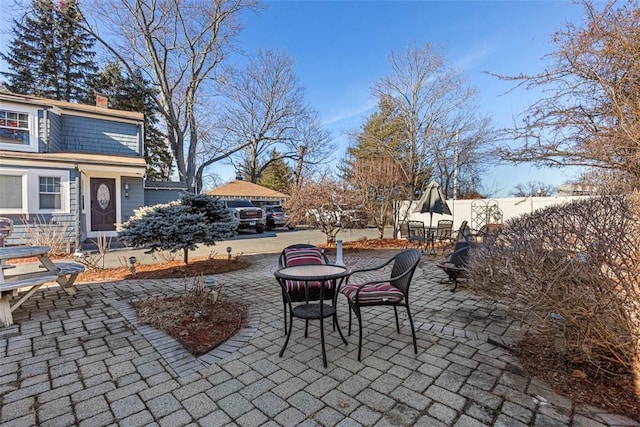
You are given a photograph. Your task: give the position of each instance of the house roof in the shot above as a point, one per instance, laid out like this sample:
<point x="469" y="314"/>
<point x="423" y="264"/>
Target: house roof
<point x="164" y="185"/>
<point x="244" y="189"/>
<point x="69" y="106"/>
<point x="82" y="161"/>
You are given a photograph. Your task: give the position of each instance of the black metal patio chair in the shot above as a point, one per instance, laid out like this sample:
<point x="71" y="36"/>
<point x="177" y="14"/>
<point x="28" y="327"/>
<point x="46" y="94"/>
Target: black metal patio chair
<point x="299" y="291"/>
<point x="417" y="234"/>
<point x="443" y="233"/>
<point x="455" y="266"/>
<point x="389" y="291"/>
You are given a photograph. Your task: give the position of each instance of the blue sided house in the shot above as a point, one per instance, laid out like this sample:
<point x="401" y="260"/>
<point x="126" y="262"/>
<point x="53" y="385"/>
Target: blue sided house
<point x="80" y="168"/>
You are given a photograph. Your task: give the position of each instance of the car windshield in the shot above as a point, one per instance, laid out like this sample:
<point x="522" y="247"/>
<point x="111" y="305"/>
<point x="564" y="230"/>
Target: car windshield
<point x="276" y="209"/>
<point x="239" y="204"/>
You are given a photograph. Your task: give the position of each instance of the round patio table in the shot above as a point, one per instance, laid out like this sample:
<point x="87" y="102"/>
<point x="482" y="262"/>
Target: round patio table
<point x="323" y="273"/>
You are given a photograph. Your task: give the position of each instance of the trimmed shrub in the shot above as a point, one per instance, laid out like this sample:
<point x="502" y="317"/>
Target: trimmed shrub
<point x="571" y="272"/>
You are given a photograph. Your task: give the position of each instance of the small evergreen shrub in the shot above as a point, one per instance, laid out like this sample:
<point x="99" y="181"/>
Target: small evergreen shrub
<point x="180" y="225"/>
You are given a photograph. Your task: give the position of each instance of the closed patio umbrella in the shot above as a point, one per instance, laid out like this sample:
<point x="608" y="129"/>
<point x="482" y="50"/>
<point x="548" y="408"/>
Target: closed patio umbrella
<point x="432" y="201"/>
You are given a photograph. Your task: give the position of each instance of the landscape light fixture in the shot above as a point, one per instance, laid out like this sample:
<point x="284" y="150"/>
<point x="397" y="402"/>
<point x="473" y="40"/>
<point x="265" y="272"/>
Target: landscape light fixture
<point x="132" y="262"/>
<point x="210" y="282"/>
<point x="229" y="253"/>
<point x="214" y="288"/>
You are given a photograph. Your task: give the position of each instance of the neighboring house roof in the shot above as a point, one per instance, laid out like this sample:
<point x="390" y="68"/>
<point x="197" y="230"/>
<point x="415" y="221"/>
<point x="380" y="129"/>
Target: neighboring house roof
<point x="69" y="106"/>
<point x="247" y="190"/>
<point x="81" y="160"/>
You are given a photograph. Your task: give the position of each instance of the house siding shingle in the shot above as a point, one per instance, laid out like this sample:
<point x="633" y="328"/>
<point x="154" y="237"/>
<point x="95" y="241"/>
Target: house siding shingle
<point x="88" y="135"/>
<point x="135" y="199"/>
<point x="53" y="138"/>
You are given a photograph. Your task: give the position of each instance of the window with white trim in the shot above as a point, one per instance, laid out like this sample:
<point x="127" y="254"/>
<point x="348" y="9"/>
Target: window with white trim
<point x="11" y="193"/>
<point x="50" y="193"/>
<point x="34" y="191"/>
<point x="18" y="128"/>
<point x="14" y="127"/>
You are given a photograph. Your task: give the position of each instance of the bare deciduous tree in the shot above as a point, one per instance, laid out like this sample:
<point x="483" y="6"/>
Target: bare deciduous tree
<point x="180" y="44"/>
<point x="264" y="109"/>
<point x="589" y="115"/>
<point x="322" y="204"/>
<point x="534" y="188"/>
<point x="376" y="181"/>
<point x="315" y="149"/>
<point x="436" y="113"/>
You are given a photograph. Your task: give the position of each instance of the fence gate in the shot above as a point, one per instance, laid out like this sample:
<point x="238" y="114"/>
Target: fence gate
<point x="485" y="212"/>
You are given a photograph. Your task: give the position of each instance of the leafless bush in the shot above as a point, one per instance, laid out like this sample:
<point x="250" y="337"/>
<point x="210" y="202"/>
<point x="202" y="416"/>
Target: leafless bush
<point x="95" y="261"/>
<point x="198" y="296"/>
<point x="50" y="233"/>
<point x="571" y="272"/>
<point x="102" y="242"/>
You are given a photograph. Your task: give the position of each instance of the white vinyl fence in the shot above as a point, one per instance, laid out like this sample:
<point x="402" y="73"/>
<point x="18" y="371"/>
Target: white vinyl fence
<point x="475" y="212"/>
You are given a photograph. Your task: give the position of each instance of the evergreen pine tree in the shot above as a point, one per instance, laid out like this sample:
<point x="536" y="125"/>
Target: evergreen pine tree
<point x="50" y="55"/>
<point x="75" y="54"/>
<point x="30" y="49"/>
<point x="127" y="94"/>
<point x="277" y="175"/>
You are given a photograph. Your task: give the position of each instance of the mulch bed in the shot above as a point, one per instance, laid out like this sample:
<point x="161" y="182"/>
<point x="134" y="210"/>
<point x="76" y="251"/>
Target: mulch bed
<point x="199" y="328"/>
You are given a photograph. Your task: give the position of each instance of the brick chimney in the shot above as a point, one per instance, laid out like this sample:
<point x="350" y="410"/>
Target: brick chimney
<point x="102" y="101"/>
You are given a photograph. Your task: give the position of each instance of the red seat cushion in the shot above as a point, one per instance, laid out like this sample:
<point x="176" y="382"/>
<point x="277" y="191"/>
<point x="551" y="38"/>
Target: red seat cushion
<point x="302" y="256"/>
<point x="298" y="286"/>
<point x="373" y="293"/>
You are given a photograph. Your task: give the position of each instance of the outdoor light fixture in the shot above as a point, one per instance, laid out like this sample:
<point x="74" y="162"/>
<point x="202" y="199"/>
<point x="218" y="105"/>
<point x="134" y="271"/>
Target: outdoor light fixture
<point x="229" y="253"/>
<point x="210" y="282"/>
<point x="214" y="288"/>
<point x="126" y="190"/>
<point x="132" y="261"/>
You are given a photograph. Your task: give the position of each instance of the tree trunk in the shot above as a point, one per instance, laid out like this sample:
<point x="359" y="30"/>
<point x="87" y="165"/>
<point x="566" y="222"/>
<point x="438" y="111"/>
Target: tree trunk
<point x="185" y="257"/>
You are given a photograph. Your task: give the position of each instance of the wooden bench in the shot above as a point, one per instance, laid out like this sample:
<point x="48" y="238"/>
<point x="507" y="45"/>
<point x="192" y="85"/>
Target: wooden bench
<point x="67" y="274"/>
<point x="31" y="279"/>
<point x="7" y="289"/>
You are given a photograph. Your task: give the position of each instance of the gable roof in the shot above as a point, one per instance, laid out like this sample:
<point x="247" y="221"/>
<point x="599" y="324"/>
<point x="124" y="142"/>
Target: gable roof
<point x="69" y="107"/>
<point x="134" y="165"/>
<point x="244" y="189"/>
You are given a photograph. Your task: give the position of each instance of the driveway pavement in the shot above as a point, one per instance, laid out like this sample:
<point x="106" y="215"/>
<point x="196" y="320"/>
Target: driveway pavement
<point x="245" y="243"/>
<point x="83" y="360"/>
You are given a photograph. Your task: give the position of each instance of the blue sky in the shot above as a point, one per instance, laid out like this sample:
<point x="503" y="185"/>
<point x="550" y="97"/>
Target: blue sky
<point x="340" y="49"/>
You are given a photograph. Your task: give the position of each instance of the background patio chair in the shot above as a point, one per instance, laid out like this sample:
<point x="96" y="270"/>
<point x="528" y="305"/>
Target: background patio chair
<point x="303" y="254"/>
<point x="455" y="264"/>
<point x="404" y="233"/>
<point x="444" y="233"/>
<point x="6" y="228"/>
<point x="392" y="290"/>
<point x="417" y="234"/>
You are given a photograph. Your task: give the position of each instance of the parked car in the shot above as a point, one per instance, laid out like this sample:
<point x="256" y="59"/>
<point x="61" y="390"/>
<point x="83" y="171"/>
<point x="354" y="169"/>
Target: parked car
<point x="250" y="217"/>
<point x="277" y="217"/>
